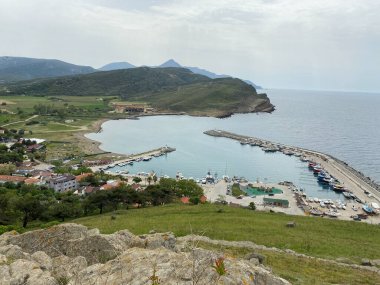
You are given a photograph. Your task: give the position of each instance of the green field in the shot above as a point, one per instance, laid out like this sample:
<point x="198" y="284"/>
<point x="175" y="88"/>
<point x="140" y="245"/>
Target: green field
<point x="79" y="113"/>
<point x="319" y="237"/>
<point x="313" y="236"/>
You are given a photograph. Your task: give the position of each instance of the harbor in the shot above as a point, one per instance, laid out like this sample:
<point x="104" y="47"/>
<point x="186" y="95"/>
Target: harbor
<point x="333" y="174"/>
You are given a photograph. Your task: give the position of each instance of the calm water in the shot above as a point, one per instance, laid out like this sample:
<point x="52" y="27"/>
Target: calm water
<point x="342" y="124"/>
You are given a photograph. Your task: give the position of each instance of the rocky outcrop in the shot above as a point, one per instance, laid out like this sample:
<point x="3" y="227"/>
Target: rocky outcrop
<point x="72" y="254"/>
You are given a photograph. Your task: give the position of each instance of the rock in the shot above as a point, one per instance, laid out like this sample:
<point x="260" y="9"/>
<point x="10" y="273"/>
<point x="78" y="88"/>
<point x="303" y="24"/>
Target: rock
<point x="5" y="275"/>
<point x="42" y="259"/>
<point x="3" y="259"/>
<point x="138" y="266"/>
<point x="254" y="261"/>
<point x="344" y="260"/>
<point x="4" y="238"/>
<point x="29" y="273"/>
<point x="291" y="224"/>
<point x="13" y="252"/>
<point x="53" y="241"/>
<point x="66" y="267"/>
<point x="366" y="262"/>
<point x="375" y="262"/>
<point x="254" y="255"/>
<point x="153" y="241"/>
<point x="152" y="232"/>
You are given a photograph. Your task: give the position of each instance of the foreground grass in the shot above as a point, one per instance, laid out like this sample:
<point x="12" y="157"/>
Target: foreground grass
<point x="318" y="237"/>
<point x="299" y="270"/>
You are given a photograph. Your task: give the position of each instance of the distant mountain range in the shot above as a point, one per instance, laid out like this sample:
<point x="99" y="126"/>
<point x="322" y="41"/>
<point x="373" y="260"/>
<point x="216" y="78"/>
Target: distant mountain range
<point x="23" y="68"/>
<point x="173" y="63"/>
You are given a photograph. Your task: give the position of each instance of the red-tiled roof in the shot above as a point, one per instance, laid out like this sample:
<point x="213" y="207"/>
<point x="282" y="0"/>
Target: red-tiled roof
<point x="185" y="200"/>
<point x="81" y="176"/>
<point x="9" y="178"/>
<point x="31" y="181"/>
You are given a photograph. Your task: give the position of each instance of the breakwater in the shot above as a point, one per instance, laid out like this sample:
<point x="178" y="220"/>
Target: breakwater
<point x="335" y="166"/>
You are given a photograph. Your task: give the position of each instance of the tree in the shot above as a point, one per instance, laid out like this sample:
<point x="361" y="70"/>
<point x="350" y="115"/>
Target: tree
<point x="252" y="206"/>
<point x="155" y="179"/>
<point x="99" y="199"/>
<point x="150" y="179"/>
<point x="30" y="208"/>
<point x="136" y="179"/>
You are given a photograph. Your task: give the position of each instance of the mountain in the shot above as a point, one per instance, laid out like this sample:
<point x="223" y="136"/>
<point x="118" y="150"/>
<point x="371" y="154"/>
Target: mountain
<point x="197" y="70"/>
<point x="116" y="66"/>
<point x="170" y="63"/>
<point x="23" y="68"/>
<point x="168" y="89"/>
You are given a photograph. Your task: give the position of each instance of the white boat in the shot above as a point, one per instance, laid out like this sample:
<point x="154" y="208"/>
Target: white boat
<point x="147" y="158"/>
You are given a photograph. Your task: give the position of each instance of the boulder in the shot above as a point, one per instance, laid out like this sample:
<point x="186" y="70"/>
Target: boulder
<point x="366" y="262"/>
<point x="140" y="266"/>
<point x="26" y="272"/>
<point x="42" y="259"/>
<point x="65" y="267"/>
<point x="254" y="255"/>
<point x="53" y="241"/>
<point x="13" y="252"/>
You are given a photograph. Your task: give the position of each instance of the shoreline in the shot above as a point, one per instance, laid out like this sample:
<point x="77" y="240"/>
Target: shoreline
<point x="93" y="146"/>
<point x="342" y="166"/>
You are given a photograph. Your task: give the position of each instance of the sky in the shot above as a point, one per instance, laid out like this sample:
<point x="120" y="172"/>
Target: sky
<point x="293" y="44"/>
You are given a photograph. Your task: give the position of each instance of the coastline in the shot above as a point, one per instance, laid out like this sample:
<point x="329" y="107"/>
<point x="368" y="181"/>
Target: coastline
<point x="351" y="177"/>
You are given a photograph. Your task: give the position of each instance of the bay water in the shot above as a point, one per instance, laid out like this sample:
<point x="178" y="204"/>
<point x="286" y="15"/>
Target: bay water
<point x="342" y="124"/>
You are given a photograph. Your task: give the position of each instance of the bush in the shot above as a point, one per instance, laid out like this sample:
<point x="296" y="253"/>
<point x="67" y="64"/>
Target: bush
<point x="49" y="224"/>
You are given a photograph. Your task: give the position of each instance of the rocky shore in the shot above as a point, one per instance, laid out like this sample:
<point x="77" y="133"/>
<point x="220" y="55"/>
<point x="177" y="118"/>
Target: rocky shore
<point x="72" y="254"/>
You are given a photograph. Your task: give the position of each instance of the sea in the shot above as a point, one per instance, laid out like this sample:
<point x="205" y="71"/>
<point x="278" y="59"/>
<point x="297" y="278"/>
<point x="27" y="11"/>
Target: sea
<point x="342" y="124"/>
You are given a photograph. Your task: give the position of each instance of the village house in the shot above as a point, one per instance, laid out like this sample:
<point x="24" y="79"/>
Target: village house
<point x="12" y="179"/>
<point x="63" y="183"/>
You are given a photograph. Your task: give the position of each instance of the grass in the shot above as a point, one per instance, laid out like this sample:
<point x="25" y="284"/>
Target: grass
<point x="54" y="128"/>
<point x="300" y="270"/>
<point x="318" y="237"/>
<point x="236" y="192"/>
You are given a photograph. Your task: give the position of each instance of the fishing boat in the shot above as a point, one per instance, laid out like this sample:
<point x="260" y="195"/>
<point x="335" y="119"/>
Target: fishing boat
<point x="311" y="165"/>
<point x="368" y="209"/>
<point x="332" y="214"/>
<point x="316" y="212"/>
<point x="317" y="169"/>
<point x="304" y="159"/>
<point x="338" y="187"/>
<point x="346" y="194"/>
<point x="147" y="158"/>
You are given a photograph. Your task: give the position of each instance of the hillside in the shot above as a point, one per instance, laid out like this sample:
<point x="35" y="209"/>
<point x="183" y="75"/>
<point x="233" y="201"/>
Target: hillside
<point x="167" y="89"/>
<point x="22" y="68"/>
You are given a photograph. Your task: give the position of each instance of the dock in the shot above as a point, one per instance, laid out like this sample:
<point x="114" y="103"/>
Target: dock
<point x="356" y="181"/>
<point x="143" y="156"/>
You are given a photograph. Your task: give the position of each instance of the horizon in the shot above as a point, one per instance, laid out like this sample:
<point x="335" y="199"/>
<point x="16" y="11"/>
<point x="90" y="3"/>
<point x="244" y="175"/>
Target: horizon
<point x="286" y="44"/>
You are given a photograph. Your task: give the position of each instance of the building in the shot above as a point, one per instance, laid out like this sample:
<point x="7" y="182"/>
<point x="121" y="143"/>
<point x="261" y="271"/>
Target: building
<point x="63" y="183"/>
<point x="12" y="179"/>
<point x="129" y="108"/>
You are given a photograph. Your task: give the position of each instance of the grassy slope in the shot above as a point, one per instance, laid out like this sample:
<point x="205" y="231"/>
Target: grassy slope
<point x="169" y="89"/>
<point x="299" y="270"/>
<point x="313" y="236"/>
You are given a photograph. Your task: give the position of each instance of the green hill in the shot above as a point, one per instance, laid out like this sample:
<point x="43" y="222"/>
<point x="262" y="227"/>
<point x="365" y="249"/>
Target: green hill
<point x="167" y="89"/>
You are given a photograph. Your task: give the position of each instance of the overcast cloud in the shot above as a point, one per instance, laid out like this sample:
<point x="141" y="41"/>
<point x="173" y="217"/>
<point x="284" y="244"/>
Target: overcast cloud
<point x="302" y="44"/>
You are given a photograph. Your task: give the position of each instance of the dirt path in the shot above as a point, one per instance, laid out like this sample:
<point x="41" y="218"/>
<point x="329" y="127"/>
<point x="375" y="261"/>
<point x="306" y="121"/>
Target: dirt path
<point x="26" y="120"/>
